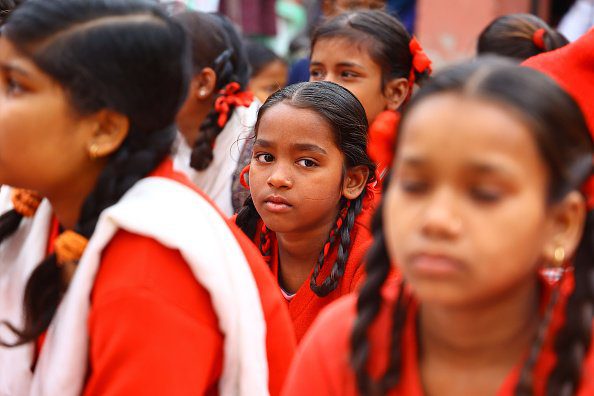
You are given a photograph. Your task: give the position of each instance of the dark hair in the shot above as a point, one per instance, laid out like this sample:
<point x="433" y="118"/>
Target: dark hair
<point x="145" y="79"/>
<point x="385" y="38"/>
<point x="345" y="115"/>
<point x="259" y="56"/>
<point x="513" y="36"/>
<point x="561" y="133"/>
<point x="6" y="7"/>
<point x="216" y="44"/>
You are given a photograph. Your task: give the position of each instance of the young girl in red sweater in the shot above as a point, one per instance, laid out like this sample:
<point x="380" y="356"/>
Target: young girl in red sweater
<point x="141" y="286"/>
<point x="485" y="218"/>
<point x="311" y="183"/>
<point x="372" y="55"/>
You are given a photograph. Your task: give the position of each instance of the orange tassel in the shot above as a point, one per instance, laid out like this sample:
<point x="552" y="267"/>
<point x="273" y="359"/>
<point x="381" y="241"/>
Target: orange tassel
<point x="25" y="202"/>
<point x="69" y="247"/>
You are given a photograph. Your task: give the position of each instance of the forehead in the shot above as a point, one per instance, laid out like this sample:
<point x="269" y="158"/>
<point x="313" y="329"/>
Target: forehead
<point x="453" y="129"/>
<point x="286" y="124"/>
<point x="339" y="49"/>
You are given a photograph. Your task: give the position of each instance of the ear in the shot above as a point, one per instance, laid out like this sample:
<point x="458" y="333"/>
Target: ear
<point x="566" y="226"/>
<point x="396" y="92"/>
<point x="355" y="181"/>
<point x="203" y="84"/>
<point x="110" y="131"/>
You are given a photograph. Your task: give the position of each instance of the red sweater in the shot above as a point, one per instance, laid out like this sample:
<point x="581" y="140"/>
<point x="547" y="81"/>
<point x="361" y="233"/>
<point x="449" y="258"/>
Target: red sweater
<point x="306" y="305"/>
<point x="323" y="356"/>
<point x="152" y="327"/>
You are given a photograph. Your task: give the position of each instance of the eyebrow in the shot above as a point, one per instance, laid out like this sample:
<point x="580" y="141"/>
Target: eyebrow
<point x="295" y="146"/>
<point x="341" y="64"/>
<point x="475" y="167"/>
<point x="14" y="68"/>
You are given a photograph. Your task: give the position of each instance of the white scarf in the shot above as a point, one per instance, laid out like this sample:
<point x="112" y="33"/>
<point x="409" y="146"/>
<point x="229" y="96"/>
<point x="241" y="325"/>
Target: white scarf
<point x="178" y="218"/>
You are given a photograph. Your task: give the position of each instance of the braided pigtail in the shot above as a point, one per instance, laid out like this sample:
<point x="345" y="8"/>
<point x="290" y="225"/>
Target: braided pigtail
<point x="247" y="218"/>
<point x="202" y="152"/>
<point x="574" y="339"/>
<point x="48" y="282"/>
<point x="9" y="222"/>
<point x="343" y="230"/>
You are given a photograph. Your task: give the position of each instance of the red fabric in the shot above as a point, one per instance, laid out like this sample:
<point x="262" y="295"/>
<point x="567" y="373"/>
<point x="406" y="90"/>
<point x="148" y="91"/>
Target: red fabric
<point x="306" y="305"/>
<point x="153" y="330"/>
<point x="572" y="66"/>
<point x="323" y="356"/>
<point x="382" y="141"/>
<point x="231" y="95"/>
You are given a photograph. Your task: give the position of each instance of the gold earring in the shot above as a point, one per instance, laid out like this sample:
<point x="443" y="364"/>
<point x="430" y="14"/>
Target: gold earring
<point x="94" y="151"/>
<point x="558" y="257"/>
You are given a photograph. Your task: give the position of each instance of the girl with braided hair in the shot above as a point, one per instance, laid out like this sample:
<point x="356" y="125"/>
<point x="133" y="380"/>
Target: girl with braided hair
<point x="311" y="185"/>
<point x="128" y="296"/>
<point x="370" y="53"/>
<point x="519" y="37"/>
<point x="485" y="217"/>
<point x="218" y="113"/>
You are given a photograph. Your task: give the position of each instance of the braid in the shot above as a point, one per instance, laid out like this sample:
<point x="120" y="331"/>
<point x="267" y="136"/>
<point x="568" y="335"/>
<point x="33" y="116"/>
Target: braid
<point x="9" y="223"/>
<point x="202" y="152"/>
<point x="135" y="159"/>
<point x="368" y="303"/>
<point x="247" y="218"/>
<point x="338" y="268"/>
<point x="574" y="339"/>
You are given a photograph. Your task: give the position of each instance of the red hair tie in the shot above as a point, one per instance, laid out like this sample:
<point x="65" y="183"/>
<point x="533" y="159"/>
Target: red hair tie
<point x="588" y="191"/>
<point x="538" y="39"/>
<point x="69" y="247"/>
<point x="25" y="202"/>
<point x="420" y="61"/>
<point x="242" y="179"/>
<point x="231" y="96"/>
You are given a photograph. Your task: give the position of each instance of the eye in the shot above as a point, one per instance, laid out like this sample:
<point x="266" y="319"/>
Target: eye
<point x="307" y="163"/>
<point x="13" y="87"/>
<point x="348" y="74"/>
<point x="485" y="195"/>
<point x="413" y="186"/>
<point x="316" y="75"/>
<point x="264" y="158"/>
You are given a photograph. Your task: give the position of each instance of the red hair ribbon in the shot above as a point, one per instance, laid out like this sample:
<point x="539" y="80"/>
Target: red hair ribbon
<point x="231" y="95"/>
<point x="69" y="247"/>
<point x="588" y="191"/>
<point x="245" y="171"/>
<point x="538" y="38"/>
<point x="420" y="61"/>
<point x="265" y="244"/>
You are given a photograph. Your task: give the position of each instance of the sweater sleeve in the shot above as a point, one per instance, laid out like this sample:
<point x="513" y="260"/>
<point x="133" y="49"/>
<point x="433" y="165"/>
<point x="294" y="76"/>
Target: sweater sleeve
<point x="152" y="327"/>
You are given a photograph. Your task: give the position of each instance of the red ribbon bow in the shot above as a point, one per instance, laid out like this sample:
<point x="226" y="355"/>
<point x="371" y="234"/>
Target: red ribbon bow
<point x="231" y="96"/>
<point x="420" y="62"/>
<point x="538" y="38"/>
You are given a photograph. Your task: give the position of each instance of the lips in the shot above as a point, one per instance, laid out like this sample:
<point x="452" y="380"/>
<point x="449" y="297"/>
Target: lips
<point x="277" y="204"/>
<point x="436" y="264"/>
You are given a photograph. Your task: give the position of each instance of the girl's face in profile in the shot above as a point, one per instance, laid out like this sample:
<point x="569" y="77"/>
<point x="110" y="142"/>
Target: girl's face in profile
<point x="43" y="142"/>
<point x="466" y="215"/>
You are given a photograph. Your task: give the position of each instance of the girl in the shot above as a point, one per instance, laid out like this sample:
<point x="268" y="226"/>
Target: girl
<point x="310" y="182"/>
<point x="519" y="36"/>
<point x="218" y="113"/>
<point x="269" y="71"/>
<point x="372" y="55"/>
<point x="127" y="290"/>
<point x="476" y="207"/>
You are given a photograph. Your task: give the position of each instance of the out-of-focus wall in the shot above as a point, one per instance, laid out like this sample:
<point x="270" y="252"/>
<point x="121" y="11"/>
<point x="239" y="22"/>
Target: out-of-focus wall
<point x="448" y="29"/>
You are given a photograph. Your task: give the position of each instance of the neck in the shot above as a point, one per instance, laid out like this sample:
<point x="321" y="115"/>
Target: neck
<point x="298" y="253"/>
<point x="189" y="125"/>
<point x="67" y="200"/>
<point x="499" y="333"/>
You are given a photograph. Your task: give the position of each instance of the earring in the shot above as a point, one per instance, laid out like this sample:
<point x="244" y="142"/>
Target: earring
<point x="202" y="92"/>
<point x="558" y="257"/>
<point x="94" y="151"/>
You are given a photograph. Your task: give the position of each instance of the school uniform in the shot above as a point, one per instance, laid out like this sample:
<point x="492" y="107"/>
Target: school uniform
<point x="323" y="358"/>
<point x="216" y="180"/>
<point x="168" y="298"/>
<point x="304" y="305"/>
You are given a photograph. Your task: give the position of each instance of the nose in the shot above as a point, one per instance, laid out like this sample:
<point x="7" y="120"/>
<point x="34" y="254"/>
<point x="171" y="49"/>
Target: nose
<point x="441" y="218"/>
<point x="332" y="77"/>
<point x="280" y="177"/>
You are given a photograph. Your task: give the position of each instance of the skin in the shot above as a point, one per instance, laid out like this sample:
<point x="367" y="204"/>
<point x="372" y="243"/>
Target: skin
<point x="38" y="126"/>
<point x="270" y="79"/>
<point x="296" y="159"/>
<point x="339" y="61"/>
<point x="332" y="8"/>
<point x="458" y="188"/>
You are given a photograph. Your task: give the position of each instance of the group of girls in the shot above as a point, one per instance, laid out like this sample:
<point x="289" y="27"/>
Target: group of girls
<point x="128" y="137"/>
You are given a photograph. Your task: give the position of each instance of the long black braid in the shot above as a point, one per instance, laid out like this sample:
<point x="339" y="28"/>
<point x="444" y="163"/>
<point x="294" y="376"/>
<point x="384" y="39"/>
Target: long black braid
<point x="146" y="80"/>
<point x="346" y="116"/>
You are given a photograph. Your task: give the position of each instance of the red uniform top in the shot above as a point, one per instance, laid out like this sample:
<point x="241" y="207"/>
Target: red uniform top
<point x="152" y="327"/>
<point x="305" y="304"/>
<point x="322" y="365"/>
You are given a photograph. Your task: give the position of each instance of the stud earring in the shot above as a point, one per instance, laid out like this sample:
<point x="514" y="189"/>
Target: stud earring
<point x="558" y="257"/>
<point x="94" y="151"/>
